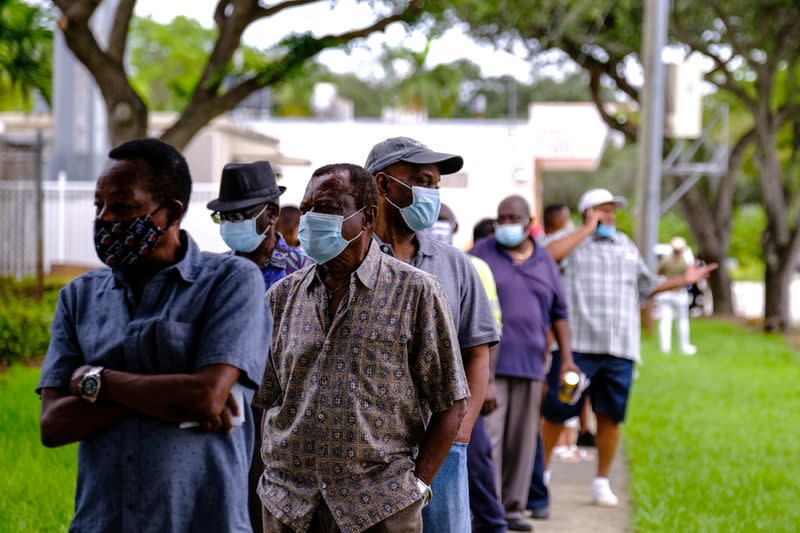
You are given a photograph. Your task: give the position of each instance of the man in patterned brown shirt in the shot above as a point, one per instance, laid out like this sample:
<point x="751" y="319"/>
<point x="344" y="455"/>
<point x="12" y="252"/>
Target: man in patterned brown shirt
<point x="363" y="349"/>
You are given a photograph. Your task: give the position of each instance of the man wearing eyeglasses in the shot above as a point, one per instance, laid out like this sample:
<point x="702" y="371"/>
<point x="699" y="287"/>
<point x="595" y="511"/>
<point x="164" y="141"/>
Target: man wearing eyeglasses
<point x="247" y="210"/>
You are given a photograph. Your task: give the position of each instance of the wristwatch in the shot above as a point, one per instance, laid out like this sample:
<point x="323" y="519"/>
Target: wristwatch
<point x="425" y="490"/>
<point x="89" y="386"/>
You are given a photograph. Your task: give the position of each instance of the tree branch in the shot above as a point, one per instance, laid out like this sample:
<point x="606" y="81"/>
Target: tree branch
<point x="201" y="111"/>
<point x="119" y="33"/>
<point x="77" y="11"/>
<point x="595" y="89"/>
<point x="724" y="199"/>
<point x="263" y="12"/>
<point x="609" y="68"/>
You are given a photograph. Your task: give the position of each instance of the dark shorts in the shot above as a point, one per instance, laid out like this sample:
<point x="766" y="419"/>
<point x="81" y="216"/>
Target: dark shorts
<point x="611" y="377"/>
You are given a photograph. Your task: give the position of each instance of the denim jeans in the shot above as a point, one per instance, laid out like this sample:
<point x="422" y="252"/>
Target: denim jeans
<point x="448" y="511"/>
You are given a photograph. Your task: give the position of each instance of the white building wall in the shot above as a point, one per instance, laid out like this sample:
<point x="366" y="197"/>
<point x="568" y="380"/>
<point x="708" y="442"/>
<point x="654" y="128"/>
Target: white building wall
<point x="497" y="157"/>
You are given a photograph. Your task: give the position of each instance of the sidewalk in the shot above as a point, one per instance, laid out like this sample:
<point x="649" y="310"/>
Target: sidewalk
<point x="571" y="508"/>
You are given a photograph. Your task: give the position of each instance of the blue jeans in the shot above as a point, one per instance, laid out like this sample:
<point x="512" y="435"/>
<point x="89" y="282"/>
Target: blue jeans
<point x="448" y="511"/>
<point x="538" y="497"/>
<point x="488" y="514"/>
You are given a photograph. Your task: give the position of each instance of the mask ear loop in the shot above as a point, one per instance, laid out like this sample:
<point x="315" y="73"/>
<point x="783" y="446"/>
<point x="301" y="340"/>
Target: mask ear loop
<point x="401" y="183"/>
<point x="348" y="218"/>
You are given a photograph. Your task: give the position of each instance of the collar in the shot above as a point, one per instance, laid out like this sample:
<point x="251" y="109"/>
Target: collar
<point x="187" y="268"/>
<point x="538" y="250"/>
<point x="425" y="245"/>
<point x="278" y="256"/>
<point x="367" y="271"/>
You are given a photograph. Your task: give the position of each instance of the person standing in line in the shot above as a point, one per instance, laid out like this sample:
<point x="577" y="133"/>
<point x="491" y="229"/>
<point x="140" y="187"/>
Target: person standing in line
<point x="532" y="301"/>
<point x="153" y="361"/>
<point x="288" y="224"/>
<point x="407" y="174"/>
<point x="246" y="210"/>
<point x="484" y="502"/>
<point x="675" y="303"/>
<point x="361" y="342"/>
<point x="606" y="281"/>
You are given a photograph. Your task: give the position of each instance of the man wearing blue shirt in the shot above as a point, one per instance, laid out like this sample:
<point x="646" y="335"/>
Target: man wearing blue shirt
<point x="153" y="362"/>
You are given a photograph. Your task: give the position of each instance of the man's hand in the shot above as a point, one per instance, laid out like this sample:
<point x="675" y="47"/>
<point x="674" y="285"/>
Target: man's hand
<point x="223" y="422"/>
<point x="566" y="366"/>
<point x="593" y="217"/>
<point x="696" y="272"/>
<point x="490" y="402"/>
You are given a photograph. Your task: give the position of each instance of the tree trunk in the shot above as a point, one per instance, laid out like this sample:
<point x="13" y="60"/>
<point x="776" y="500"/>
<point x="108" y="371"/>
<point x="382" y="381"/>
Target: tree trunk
<point x="780" y="240"/>
<point x="711" y="229"/>
<point x="777" y="281"/>
<point x="127" y="119"/>
<point x="720" y="284"/>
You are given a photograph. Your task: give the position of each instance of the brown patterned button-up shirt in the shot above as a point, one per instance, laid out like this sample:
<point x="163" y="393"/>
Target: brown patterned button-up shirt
<point x="345" y="401"/>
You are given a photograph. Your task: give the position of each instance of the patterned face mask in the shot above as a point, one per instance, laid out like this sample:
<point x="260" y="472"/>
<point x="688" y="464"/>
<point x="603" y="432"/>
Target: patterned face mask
<point x="125" y="243"/>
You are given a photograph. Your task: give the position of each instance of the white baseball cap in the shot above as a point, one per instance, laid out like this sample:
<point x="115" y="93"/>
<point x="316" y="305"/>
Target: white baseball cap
<point x="595" y="197"/>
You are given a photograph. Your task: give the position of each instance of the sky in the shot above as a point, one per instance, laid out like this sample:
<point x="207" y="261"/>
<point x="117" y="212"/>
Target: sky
<point x="322" y="19"/>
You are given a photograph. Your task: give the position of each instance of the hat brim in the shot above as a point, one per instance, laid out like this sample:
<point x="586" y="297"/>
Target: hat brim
<point x="235" y="205"/>
<point x="620" y="202"/>
<point x="447" y="163"/>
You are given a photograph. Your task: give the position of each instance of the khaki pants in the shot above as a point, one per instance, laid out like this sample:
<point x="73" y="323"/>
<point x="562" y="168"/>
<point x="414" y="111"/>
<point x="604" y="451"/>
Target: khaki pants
<point x="408" y="520"/>
<point x="513" y="429"/>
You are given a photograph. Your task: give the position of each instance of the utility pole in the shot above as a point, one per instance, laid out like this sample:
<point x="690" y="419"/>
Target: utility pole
<point x="651" y="129"/>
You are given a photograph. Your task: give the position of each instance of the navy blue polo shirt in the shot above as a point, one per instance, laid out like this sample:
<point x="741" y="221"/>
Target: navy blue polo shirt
<point x="531" y="299"/>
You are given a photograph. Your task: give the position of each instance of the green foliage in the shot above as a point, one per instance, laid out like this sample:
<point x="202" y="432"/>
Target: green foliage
<point x="749" y="222"/>
<point x="25" y="322"/>
<point x="165" y="69"/>
<point x="37" y="488"/>
<point x="26" y="52"/>
<point x="710" y="438"/>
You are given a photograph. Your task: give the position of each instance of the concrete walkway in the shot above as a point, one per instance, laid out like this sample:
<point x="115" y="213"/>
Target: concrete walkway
<point x="571" y="508"/>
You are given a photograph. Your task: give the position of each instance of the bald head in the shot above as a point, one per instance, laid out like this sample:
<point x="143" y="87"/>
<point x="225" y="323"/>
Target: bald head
<point x="446" y="214"/>
<point x="514" y="210"/>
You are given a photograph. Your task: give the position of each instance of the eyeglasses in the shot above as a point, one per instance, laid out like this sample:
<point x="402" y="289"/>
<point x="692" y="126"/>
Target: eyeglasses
<point x="237" y="216"/>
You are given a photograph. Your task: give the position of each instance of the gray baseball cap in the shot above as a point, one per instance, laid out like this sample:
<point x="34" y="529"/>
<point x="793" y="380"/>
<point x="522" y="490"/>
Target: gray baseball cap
<point x="405" y="150"/>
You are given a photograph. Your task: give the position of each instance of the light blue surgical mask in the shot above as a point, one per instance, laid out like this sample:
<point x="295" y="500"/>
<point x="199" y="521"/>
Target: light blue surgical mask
<point x="604" y="231"/>
<point x="441" y="231"/>
<point x="320" y="235"/>
<point x="242" y="236"/>
<point x="510" y="235"/>
<point x="424" y="209"/>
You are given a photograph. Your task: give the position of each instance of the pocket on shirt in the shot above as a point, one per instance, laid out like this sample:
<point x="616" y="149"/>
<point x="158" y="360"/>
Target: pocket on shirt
<point x="174" y="350"/>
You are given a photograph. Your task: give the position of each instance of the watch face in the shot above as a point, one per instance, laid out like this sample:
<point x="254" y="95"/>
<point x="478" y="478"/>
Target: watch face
<point x="89" y="386"/>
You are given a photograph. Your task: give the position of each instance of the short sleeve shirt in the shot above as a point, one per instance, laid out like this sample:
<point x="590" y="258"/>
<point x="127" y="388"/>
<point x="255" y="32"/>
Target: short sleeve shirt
<point x="142" y="474"/>
<point x="531" y="299"/>
<point x="606" y="281"/>
<point x="469" y="304"/>
<point x="345" y="400"/>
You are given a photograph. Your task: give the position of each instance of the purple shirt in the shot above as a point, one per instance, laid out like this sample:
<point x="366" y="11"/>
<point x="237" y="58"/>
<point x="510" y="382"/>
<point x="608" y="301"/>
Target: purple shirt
<point x="531" y="299"/>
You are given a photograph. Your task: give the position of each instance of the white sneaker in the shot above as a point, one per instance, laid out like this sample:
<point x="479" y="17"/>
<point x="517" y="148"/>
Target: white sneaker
<point x="689" y="350"/>
<point x="546" y="477"/>
<point x="602" y="493"/>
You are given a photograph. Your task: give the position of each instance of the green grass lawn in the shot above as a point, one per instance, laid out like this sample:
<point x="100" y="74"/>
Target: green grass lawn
<point x="37" y="484"/>
<point x="713" y="440"/>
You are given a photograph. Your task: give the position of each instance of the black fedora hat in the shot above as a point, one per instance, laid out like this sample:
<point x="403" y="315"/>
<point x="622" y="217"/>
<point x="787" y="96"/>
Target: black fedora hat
<point x="244" y="185"/>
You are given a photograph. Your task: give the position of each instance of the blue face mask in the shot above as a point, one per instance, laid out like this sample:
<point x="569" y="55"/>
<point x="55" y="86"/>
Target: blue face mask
<point x="510" y="235"/>
<point x="242" y="236"/>
<point x="320" y="235"/>
<point x="441" y="231"/>
<point x="424" y="209"/>
<point x="605" y="231"/>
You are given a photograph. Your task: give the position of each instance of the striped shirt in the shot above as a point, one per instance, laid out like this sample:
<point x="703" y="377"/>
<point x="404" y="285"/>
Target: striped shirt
<point x="606" y="281"/>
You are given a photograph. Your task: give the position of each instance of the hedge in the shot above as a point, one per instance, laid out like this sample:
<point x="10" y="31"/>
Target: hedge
<point x="24" y="321"/>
